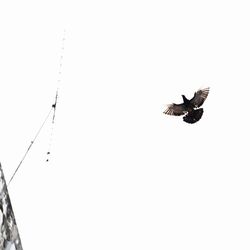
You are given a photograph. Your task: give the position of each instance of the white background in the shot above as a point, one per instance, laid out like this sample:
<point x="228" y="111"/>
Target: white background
<point x="122" y="175"/>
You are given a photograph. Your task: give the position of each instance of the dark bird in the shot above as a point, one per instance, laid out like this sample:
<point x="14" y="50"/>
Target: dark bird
<point x="189" y="108"/>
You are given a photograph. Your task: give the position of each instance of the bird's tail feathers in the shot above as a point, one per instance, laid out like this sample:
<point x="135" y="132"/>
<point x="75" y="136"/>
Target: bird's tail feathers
<point x="193" y="116"/>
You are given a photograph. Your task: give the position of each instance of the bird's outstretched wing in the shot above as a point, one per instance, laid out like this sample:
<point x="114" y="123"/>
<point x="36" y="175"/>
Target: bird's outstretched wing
<point x="175" y="109"/>
<point x="199" y="97"/>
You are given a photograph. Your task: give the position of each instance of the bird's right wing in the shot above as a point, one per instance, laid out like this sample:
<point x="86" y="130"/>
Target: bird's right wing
<point x="199" y="97"/>
<point x="175" y="109"/>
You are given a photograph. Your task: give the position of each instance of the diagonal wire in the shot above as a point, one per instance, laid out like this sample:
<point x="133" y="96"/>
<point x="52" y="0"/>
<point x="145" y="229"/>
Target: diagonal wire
<point x="31" y="144"/>
<point x="54" y="113"/>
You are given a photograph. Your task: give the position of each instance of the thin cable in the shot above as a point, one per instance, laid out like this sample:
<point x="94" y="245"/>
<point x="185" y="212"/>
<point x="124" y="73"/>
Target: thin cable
<point x="54" y="113"/>
<point x="31" y="144"/>
<point x="57" y="92"/>
<point x="52" y="126"/>
<point x="61" y="62"/>
<point x="54" y="106"/>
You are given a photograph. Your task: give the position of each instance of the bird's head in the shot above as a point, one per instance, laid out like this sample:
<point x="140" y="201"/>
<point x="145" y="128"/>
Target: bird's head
<point x="184" y="99"/>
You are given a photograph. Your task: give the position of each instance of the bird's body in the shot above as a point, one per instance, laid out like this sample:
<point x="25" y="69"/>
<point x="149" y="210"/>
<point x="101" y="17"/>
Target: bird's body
<point x="189" y="108"/>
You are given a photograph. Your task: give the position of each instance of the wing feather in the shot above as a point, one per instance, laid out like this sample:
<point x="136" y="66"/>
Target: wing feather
<point x="175" y="109"/>
<point x="199" y="97"/>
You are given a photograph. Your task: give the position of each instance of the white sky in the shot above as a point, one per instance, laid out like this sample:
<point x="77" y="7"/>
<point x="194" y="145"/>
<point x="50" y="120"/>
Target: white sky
<point x="123" y="175"/>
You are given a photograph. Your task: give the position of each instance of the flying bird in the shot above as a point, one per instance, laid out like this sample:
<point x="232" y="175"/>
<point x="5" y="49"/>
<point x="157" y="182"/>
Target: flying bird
<point x="189" y="108"/>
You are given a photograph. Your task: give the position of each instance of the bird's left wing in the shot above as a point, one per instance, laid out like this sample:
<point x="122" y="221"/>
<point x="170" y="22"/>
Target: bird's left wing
<point x="199" y="97"/>
<point x="175" y="109"/>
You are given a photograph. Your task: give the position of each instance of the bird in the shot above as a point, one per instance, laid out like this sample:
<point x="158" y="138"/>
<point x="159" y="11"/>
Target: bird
<point x="189" y="108"/>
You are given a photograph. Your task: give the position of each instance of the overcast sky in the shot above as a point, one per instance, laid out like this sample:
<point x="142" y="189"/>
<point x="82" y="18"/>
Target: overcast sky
<point x="123" y="175"/>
